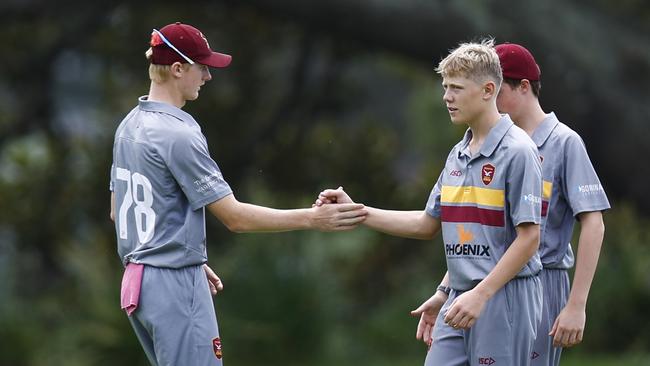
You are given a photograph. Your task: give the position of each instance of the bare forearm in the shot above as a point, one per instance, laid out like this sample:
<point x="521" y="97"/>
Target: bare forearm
<point x="112" y="213"/>
<point x="253" y="218"/>
<point x="513" y="260"/>
<point x="246" y="217"/>
<point x="407" y="224"/>
<point x="592" y="231"/>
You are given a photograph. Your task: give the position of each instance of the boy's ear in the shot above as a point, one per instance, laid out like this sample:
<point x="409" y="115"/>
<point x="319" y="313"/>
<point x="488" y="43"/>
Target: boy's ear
<point x="489" y="90"/>
<point x="176" y="69"/>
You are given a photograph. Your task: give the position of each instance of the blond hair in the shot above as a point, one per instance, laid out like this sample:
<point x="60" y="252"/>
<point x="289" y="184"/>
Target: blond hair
<point x="159" y="73"/>
<point x="475" y="61"/>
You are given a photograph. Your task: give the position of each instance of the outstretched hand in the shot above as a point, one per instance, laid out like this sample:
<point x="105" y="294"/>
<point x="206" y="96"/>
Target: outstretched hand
<point x="332" y="196"/>
<point x="340" y="217"/>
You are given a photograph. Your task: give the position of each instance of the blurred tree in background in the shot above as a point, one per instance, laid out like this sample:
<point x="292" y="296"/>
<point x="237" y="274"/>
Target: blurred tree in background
<point x="319" y="94"/>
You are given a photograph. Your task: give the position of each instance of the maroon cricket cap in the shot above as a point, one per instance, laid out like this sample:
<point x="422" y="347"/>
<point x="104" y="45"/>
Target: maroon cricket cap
<point x="517" y="62"/>
<point x="188" y="41"/>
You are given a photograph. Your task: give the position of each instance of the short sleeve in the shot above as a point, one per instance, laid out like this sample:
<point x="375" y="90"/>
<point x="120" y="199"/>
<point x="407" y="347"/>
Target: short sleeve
<point x="196" y="172"/>
<point x="524" y="186"/>
<point x="581" y="185"/>
<point x="433" y="203"/>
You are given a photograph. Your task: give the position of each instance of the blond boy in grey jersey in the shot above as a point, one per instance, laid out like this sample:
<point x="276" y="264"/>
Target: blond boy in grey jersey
<point x="571" y="191"/>
<point x="487" y="203"/>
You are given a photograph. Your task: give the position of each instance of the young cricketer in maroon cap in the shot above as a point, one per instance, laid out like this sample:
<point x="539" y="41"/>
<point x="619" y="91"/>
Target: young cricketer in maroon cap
<point x="571" y="191"/>
<point x="162" y="179"/>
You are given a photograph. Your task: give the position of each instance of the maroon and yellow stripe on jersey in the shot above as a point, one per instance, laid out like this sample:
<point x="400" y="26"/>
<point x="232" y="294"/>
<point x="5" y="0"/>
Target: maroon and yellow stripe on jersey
<point x="473" y="204"/>
<point x="547" y="188"/>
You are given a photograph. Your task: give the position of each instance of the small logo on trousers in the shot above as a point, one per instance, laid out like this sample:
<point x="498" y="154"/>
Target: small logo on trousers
<point x="486" y="361"/>
<point x="216" y="345"/>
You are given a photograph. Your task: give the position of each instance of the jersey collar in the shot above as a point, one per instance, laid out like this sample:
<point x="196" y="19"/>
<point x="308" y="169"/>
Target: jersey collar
<point x="151" y="106"/>
<point x="491" y="141"/>
<point x="543" y="131"/>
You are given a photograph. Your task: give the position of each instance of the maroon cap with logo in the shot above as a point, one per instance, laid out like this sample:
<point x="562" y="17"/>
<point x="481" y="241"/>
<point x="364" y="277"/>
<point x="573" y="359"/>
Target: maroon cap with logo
<point x="179" y="42"/>
<point x="517" y="62"/>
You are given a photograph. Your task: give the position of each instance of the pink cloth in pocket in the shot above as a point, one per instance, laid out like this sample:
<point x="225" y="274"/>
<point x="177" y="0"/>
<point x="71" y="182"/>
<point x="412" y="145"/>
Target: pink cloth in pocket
<point x="131" y="283"/>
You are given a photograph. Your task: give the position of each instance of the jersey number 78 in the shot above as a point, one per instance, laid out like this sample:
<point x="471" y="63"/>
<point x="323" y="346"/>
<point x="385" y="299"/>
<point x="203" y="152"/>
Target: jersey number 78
<point x="145" y="216"/>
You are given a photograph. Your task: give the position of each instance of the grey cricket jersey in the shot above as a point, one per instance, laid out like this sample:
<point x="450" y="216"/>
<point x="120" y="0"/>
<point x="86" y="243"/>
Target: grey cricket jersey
<point x="162" y="176"/>
<point x="571" y="186"/>
<point x="481" y="199"/>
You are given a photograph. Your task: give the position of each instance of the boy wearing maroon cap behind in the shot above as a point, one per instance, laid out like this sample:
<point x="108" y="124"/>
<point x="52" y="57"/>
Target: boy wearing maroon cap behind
<point x="571" y="191"/>
<point x="162" y="179"/>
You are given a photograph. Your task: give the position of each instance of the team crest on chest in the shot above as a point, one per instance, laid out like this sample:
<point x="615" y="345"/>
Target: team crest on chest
<point x="216" y="345"/>
<point x="487" y="173"/>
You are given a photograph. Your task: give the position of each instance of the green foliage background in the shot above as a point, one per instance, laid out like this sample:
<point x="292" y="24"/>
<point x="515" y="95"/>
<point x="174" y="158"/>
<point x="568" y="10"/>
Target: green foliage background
<point x="319" y="94"/>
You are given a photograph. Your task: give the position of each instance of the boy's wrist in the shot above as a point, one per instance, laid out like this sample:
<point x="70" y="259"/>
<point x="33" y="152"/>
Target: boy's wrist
<point x="444" y="289"/>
